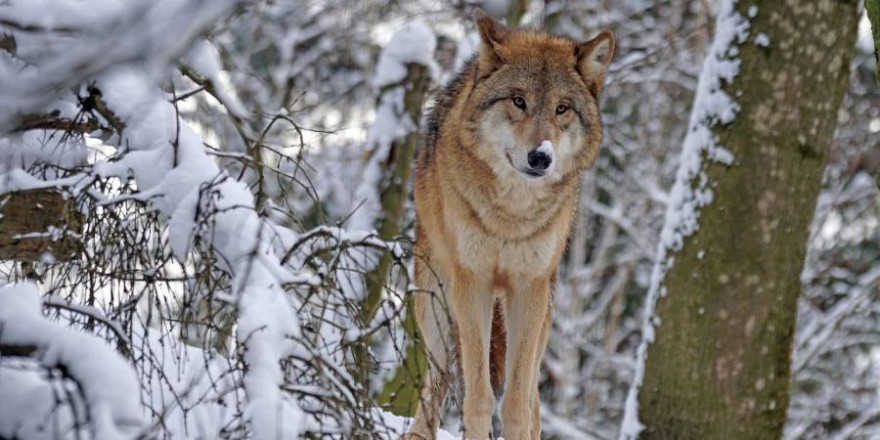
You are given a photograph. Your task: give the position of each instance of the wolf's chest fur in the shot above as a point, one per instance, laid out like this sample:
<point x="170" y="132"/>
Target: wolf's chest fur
<point x="508" y="225"/>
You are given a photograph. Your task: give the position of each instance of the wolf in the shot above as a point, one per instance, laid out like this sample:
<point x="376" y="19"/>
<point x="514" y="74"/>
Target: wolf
<point x="496" y="189"/>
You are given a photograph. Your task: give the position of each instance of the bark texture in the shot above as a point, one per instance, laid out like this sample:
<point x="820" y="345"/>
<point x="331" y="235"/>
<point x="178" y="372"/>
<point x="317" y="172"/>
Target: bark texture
<point x="719" y="366"/>
<point x="38" y="222"/>
<point x="873" y="8"/>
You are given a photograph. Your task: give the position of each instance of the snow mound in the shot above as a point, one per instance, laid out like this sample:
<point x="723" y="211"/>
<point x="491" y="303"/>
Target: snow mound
<point x="414" y="43"/>
<point x="108" y="383"/>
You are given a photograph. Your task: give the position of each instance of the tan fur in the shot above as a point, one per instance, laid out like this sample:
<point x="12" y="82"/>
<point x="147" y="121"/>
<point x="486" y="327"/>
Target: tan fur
<point x="486" y="233"/>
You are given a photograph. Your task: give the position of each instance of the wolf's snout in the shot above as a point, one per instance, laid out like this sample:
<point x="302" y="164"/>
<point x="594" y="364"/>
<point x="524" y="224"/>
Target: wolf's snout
<point x="539" y="160"/>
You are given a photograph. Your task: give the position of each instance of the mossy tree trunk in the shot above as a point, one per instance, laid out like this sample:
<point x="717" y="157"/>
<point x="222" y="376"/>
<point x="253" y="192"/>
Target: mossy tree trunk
<point x="719" y="367"/>
<point x="393" y="195"/>
<point x="516" y="9"/>
<point x="37" y="223"/>
<point x="394" y="183"/>
<point x="873" y="8"/>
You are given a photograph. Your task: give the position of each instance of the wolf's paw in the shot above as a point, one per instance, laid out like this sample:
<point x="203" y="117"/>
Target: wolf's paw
<point x="412" y="436"/>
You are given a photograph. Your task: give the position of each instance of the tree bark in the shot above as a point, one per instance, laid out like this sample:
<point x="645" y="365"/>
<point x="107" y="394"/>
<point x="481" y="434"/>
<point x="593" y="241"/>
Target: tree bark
<point x="394" y="186"/>
<point x="37" y="222"/>
<point x="873" y="8"/>
<point x="393" y="194"/>
<point x="718" y="367"/>
<point x="402" y="389"/>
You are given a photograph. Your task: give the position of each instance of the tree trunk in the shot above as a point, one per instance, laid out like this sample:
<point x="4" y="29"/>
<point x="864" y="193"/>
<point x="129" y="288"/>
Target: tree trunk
<point x="873" y="7"/>
<point x="394" y="184"/>
<point x="39" y="222"/>
<point x="393" y="193"/>
<point x="397" y="392"/>
<point x="728" y="274"/>
<point x="515" y="11"/>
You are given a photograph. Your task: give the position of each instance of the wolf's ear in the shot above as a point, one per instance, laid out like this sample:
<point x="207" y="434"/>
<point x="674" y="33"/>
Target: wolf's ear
<point x="593" y="58"/>
<point x="492" y="34"/>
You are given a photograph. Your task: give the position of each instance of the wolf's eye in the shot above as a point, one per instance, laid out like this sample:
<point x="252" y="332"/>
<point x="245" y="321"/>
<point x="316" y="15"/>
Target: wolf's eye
<point x="520" y="102"/>
<point x="561" y="109"/>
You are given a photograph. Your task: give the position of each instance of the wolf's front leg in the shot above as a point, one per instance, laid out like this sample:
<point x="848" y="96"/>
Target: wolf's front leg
<point x="527" y="312"/>
<point x="472" y="306"/>
<point x="542" y="348"/>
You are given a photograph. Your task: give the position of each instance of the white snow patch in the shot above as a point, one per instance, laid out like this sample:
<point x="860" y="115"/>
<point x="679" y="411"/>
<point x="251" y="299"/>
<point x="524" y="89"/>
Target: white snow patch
<point x="762" y="40"/>
<point x="414" y="43"/>
<point x="204" y="58"/>
<point x="108" y="383"/>
<point x="497" y="8"/>
<point x="467" y="48"/>
<point x="546" y="148"/>
<point x="398" y="425"/>
<point x="865" y="39"/>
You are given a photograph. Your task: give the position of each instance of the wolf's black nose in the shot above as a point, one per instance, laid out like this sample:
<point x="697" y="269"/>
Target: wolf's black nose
<point x="539" y="160"/>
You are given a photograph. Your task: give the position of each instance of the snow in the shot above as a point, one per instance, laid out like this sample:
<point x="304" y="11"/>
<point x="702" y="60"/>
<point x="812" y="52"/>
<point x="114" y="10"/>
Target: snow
<point x="691" y="190"/>
<point x="204" y="58"/>
<point x="34" y="407"/>
<point x="391" y="125"/>
<point x="191" y="388"/>
<point x="20" y="180"/>
<point x="865" y="39"/>
<point x="466" y="49"/>
<point x="109" y="33"/>
<point x="762" y="40"/>
<point x="413" y="43"/>
<point x="108" y="383"/>
<point x="546" y="148"/>
<point x="497" y="8"/>
<point x="398" y="425"/>
<point x="172" y="169"/>
<point x="23" y="151"/>
<point x="54" y="14"/>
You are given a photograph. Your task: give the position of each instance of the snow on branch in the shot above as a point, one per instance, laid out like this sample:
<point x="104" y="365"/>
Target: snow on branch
<point x="692" y="190"/>
<point x="412" y="44"/>
<point x="153" y="33"/>
<point x="172" y="169"/>
<point x="107" y="382"/>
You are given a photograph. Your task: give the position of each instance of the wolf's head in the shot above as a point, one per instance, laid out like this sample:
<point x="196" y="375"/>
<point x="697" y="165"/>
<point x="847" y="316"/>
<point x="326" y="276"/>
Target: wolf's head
<point x="533" y="110"/>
